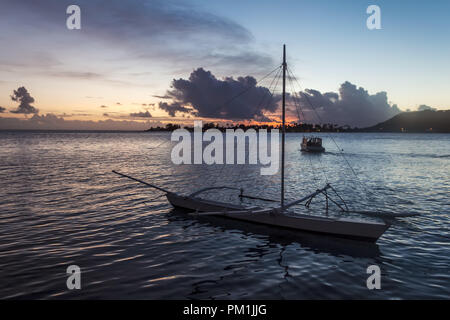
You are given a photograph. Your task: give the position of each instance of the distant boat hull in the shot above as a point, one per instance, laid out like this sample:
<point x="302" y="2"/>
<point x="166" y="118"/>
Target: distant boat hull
<point x="306" y="148"/>
<point x="343" y="228"/>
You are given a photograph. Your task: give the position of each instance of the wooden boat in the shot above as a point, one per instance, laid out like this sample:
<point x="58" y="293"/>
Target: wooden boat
<point x="340" y="227"/>
<point x="279" y="216"/>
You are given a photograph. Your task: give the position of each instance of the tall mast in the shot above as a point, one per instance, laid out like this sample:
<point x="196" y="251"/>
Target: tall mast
<point x="283" y="130"/>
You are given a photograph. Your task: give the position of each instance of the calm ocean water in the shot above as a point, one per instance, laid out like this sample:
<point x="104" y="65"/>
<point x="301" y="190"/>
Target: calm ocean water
<point x="61" y="205"/>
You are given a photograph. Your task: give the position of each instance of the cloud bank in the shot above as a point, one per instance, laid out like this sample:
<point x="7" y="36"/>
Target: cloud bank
<point x="204" y="95"/>
<point x="53" y="122"/>
<point x="352" y="106"/>
<point x="423" y="107"/>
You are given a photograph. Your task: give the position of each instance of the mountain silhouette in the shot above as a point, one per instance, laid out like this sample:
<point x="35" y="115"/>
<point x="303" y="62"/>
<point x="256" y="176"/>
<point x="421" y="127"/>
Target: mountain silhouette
<point x="415" y="121"/>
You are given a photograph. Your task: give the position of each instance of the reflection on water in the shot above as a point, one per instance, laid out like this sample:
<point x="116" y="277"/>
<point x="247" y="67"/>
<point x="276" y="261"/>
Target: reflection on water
<point x="61" y="205"/>
<point x="284" y="237"/>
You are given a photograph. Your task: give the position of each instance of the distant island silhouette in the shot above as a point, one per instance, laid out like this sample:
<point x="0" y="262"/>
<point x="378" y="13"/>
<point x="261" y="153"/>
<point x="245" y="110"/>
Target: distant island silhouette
<point x="415" y="122"/>
<point x="427" y="121"/>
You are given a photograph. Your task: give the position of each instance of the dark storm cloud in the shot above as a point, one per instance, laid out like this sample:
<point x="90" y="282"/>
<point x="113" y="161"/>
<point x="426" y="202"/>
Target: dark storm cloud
<point x="25" y="100"/>
<point x="162" y="97"/>
<point x="141" y="114"/>
<point x="173" y="108"/>
<point x="209" y="97"/>
<point x="2" y="109"/>
<point x="423" y="107"/>
<point x="352" y="106"/>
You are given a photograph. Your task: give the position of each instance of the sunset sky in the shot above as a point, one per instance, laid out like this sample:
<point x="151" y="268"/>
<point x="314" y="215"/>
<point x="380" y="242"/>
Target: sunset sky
<point x="118" y="67"/>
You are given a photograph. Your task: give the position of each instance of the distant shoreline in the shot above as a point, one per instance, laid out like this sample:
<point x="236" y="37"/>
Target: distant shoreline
<point x="426" y="121"/>
<point x="70" y="131"/>
<point x="161" y="131"/>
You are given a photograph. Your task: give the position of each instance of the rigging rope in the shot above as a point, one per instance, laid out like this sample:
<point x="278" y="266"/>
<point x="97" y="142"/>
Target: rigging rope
<point x="337" y="146"/>
<point x="271" y="93"/>
<point x="277" y="74"/>
<point x="298" y="107"/>
<point x="251" y="87"/>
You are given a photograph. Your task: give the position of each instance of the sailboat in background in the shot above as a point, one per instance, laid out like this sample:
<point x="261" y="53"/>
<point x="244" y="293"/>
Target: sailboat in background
<point x="280" y="216"/>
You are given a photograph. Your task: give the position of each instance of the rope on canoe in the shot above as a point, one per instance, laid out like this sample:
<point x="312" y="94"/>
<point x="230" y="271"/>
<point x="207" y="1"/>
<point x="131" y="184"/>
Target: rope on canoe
<point x="291" y="75"/>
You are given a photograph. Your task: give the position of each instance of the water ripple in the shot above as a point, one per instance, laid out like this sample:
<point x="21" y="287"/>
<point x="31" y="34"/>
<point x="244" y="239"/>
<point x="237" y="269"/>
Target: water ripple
<point x="61" y="205"/>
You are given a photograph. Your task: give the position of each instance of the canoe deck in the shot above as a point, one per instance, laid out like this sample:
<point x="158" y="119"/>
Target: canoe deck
<point x="339" y="227"/>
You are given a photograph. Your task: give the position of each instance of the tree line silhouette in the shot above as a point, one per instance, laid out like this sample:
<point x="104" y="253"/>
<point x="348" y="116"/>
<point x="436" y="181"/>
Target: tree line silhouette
<point x="293" y="127"/>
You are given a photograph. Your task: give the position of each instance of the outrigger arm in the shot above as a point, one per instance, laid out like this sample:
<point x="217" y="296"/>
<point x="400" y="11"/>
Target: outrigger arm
<point x="143" y="182"/>
<point x="260" y="211"/>
<point x="293" y="203"/>
<point x="167" y="191"/>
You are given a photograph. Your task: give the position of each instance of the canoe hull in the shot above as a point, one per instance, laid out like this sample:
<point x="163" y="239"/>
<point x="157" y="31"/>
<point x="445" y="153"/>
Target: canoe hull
<point x="343" y="228"/>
